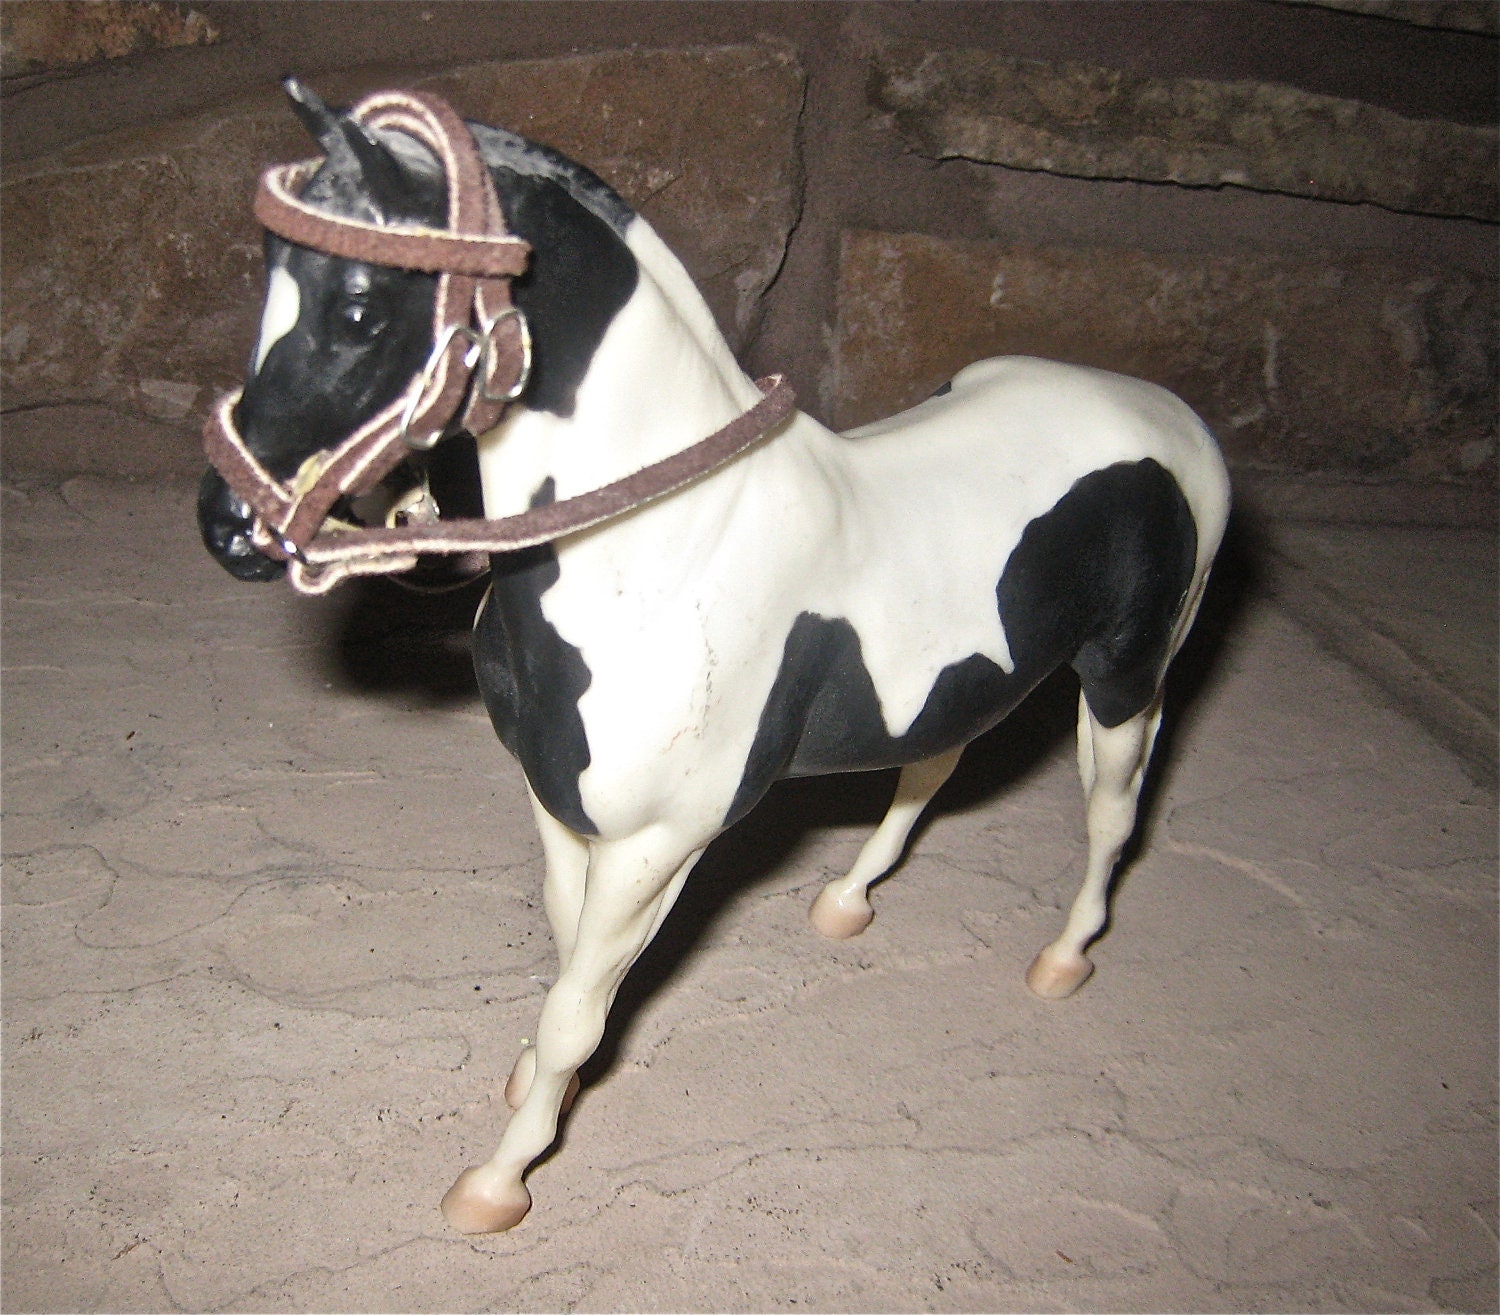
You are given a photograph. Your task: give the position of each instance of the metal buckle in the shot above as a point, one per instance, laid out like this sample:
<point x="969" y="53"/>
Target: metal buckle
<point x="416" y="506"/>
<point x="264" y="536"/>
<point x="481" y="351"/>
<point x="424" y="382"/>
<point x="522" y="379"/>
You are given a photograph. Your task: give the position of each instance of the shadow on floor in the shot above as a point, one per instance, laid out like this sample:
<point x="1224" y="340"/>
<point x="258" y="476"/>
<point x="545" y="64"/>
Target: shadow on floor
<point x="390" y="640"/>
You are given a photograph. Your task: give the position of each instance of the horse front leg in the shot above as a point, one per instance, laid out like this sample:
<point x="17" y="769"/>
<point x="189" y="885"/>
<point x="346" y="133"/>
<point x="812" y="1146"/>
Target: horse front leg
<point x="630" y="886"/>
<point x="567" y="858"/>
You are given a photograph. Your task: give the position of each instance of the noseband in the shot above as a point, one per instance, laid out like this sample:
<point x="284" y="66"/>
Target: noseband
<point x="480" y="362"/>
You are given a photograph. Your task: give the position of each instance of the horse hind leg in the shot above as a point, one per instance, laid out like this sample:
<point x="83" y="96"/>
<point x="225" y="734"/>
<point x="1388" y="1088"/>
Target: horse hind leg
<point x="1111" y="764"/>
<point x="843" y="908"/>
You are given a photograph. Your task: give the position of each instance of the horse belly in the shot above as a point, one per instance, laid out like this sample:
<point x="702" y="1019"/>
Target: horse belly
<point x="842" y="726"/>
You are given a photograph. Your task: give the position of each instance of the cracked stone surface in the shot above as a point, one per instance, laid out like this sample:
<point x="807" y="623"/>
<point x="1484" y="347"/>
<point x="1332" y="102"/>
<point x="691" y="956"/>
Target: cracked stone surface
<point x="272" y="935"/>
<point x="1094" y="122"/>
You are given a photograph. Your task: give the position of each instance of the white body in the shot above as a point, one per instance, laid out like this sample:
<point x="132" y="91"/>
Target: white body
<point x="680" y="611"/>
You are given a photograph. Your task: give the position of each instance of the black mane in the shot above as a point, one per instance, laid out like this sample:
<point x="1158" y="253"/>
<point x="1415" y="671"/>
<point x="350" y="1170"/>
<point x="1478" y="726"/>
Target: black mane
<point x="508" y="150"/>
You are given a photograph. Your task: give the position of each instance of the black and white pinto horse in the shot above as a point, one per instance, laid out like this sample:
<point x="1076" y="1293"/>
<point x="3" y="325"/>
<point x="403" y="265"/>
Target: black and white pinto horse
<point x="823" y="603"/>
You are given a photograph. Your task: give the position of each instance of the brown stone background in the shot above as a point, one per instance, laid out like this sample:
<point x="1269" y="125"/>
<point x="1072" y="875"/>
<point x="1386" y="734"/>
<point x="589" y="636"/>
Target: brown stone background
<point x="870" y="194"/>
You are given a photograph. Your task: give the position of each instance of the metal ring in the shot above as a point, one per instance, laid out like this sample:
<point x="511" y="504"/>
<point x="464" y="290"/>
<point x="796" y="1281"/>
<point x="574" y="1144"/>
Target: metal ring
<point x="264" y="536"/>
<point x="292" y="551"/>
<point x="424" y="381"/>
<point x="488" y="353"/>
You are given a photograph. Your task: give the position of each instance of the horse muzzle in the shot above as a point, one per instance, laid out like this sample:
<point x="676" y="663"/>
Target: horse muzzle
<point x="226" y="523"/>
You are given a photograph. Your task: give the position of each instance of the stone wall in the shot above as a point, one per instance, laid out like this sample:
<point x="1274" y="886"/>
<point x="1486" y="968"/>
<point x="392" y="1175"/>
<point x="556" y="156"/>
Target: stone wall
<point x="43" y="39"/>
<point x="1359" y="366"/>
<point x="1093" y="122"/>
<point x="1284" y="211"/>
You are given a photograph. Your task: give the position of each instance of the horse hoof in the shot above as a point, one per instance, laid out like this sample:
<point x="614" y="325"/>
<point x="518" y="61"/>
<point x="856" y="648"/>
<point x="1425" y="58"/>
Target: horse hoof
<point x="1055" y="974"/>
<point x="840" y="918"/>
<point x="519" y="1082"/>
<point x="471" y="1207"/>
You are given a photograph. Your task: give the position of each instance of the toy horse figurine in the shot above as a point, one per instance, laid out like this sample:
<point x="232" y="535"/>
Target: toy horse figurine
<point x="658" y="648"/>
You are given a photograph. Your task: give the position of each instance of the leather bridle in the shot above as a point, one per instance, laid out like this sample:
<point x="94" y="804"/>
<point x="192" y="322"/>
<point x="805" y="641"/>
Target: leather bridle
<point x="480" y="363"/>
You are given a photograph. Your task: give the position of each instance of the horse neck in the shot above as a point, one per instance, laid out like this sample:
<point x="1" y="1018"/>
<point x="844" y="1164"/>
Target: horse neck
<point x="661" y="378"/>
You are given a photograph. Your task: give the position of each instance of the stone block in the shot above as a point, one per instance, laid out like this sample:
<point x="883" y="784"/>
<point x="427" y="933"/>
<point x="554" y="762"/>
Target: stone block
<point x="1354" y="367"/>
<point x="40" y="36"/>
<point x="1481" y="16"/>
<point x="132" y="265"/>
<point x="701" y="142"/>
<point x="1091" y="122"/>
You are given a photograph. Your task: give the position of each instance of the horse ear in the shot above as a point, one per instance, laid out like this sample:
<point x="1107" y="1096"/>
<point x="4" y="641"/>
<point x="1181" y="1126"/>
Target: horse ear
<point x="389" y="187"/>
<point x="316" y="117"/>
<point x="347" y="143"/>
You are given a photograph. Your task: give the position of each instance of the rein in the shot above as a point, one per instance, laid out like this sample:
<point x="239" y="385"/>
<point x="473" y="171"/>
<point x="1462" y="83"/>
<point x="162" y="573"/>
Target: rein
<point x="480" y="363"/>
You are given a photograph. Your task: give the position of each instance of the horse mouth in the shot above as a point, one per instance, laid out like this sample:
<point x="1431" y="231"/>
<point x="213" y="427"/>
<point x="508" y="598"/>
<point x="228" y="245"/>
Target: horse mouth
<point x="225" y="522"/>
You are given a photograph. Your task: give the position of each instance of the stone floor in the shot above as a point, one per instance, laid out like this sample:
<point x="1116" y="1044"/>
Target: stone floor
<point x="272" y="936"/>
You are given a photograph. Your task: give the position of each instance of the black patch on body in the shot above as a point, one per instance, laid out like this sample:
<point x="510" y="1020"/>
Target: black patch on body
<point x="531" y="679"/>
<point x="1096" y="582"/>
<point x="579" y="276"/>
<point x="942" y="390"/>
<point x="1099" y="582"/>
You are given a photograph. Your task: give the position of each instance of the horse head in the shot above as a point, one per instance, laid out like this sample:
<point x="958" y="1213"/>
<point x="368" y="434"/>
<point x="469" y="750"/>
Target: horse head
<point x="339" y="339"/>
<point x="343" y="340"/>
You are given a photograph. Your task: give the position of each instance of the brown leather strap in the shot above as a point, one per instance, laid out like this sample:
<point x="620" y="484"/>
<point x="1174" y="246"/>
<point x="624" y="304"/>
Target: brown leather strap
<point x="404" y="246"/>
<point x="337" y="553"/>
